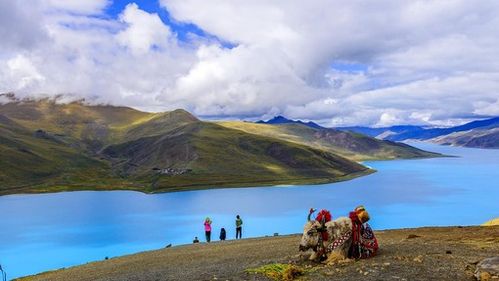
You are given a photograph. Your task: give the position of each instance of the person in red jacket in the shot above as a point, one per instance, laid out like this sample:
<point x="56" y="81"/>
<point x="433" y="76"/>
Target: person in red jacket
<point x="207" y="229"/>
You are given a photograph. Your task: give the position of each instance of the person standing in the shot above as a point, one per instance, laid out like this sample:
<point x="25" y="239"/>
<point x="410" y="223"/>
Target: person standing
<point x="207" y="229"/>
<point x="239" y="227"/>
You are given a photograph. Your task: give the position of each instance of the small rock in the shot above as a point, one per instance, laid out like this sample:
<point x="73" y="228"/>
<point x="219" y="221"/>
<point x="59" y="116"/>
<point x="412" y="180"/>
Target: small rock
<point x="449" y="252"/>
<point x="484" y="276"/>
<point x="412" y="236"/>
<point x="487" y="269"/>
<point x="365" y="273"/>
<point x="386" y="264"/>
<point x="418" y="259"/>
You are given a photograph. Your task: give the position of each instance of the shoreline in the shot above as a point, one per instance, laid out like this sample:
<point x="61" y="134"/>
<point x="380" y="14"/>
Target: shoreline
<point x="194" y="187"/>
<point x="141" y="187"/>
<point x="409" y="253"/>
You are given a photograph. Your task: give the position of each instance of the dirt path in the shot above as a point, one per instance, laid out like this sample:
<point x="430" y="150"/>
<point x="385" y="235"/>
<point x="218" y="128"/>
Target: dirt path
<point x="447" y="253"/>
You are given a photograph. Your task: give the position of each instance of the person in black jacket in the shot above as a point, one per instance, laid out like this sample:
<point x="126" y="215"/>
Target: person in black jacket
<point x="223" y="234"/>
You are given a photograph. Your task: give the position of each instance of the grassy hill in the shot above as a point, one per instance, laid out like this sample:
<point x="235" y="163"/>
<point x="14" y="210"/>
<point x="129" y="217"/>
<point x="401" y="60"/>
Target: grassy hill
<point x="351" y="145"/>
<point x="47" y="146"/>
<point x="37" y="159"/>
<point x="491" y="222"/>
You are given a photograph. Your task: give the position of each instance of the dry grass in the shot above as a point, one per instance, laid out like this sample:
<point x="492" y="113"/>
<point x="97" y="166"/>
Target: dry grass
<point x="492" y="222"/>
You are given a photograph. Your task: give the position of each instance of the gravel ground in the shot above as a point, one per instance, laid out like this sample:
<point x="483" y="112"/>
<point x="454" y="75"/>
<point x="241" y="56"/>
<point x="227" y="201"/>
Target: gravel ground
<point x="442" y="253"/>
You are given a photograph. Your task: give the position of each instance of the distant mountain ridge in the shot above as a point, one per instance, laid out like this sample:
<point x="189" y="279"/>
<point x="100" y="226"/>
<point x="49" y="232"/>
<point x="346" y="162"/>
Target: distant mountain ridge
<point x="480" y="133"/>
<point x="386" y="131"/>
<point x="283" y="120"/>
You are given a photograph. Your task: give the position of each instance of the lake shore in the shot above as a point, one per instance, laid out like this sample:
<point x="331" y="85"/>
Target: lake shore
<point x="428" y="253"/>
<point x="189" y="187"/>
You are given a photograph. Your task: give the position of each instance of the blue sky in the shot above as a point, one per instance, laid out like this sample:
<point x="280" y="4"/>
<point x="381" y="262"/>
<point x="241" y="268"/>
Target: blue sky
<point x="339" y="65"/>
<point x="182" y="29"/>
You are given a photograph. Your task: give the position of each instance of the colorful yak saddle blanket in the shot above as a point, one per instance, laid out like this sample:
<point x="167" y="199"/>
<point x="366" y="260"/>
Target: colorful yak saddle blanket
<point x="364" y="244"/>
<point x="339" y="242"/>
<point x="367" y="246"/>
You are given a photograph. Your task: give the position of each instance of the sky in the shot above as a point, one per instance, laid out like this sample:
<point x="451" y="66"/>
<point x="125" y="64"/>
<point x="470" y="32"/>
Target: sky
<point x="336" y="62"/>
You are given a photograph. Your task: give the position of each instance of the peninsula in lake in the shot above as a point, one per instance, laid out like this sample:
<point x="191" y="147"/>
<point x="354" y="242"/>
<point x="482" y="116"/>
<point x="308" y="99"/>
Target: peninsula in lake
<point x="48" y="146"/>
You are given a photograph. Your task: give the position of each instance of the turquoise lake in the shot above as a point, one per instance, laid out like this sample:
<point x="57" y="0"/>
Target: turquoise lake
<point x="50" y="231"/>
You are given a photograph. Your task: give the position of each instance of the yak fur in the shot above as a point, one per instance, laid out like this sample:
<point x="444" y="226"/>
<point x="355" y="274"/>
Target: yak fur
<point x="335" y="229"/>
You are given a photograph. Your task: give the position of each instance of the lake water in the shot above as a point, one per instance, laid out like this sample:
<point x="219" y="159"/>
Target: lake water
<point x="50" y="231"/>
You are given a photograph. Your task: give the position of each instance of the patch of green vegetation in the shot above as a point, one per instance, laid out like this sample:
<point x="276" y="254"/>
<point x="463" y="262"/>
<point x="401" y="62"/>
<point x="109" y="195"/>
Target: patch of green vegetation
<point x="279" y="271"/>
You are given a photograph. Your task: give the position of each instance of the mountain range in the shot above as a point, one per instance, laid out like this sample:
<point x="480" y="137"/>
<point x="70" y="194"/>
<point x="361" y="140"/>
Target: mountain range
<point x="283" y="120"/>
<point x="480" y="133"/>
<point x="47" y="146"/>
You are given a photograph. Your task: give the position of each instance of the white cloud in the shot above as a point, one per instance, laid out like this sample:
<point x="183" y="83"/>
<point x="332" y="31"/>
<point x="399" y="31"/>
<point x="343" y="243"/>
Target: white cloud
<point x="22" y="71"/>
<point x="424" y="61"/>
<point x="144" y="32"/>
<point x="20" y="28"/>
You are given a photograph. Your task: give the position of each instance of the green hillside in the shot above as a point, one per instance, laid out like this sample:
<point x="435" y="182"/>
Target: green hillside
<point x="206" y="154"/>
<point x="36" y="159"/>
<point x="46" y="146"/>
<point x="350" y="145"/>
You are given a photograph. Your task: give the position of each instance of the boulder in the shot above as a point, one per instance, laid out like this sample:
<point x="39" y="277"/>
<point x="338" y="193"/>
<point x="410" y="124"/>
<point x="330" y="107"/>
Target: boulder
<point x="488" y="269"/>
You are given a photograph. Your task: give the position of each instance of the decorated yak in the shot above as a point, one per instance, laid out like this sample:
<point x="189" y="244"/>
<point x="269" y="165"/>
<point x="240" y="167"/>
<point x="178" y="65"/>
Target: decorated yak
<point x="342" y="238"/>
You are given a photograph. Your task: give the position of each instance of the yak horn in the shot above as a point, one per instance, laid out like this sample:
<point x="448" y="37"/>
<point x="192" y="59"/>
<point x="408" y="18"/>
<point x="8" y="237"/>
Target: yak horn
<point x="312" y="210"/>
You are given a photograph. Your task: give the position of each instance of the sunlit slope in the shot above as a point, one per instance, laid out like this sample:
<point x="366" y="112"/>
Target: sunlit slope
<point x="491" y="222"/>
<point x="75" y="119"/>
<point x="48" y="146"/>
<point x="347" y="144"/>
<point x="212" y="155"/>
<point x="91" y="126"/>
<point x="38" y="162"/>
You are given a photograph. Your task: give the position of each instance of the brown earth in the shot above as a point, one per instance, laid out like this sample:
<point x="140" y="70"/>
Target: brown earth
<point x="431" y="253"/>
